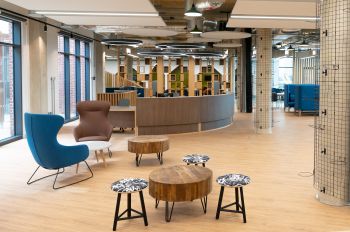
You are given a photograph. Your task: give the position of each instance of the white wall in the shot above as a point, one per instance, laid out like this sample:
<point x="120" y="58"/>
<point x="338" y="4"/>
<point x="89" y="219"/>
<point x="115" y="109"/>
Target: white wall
<point x="52" y="68"/>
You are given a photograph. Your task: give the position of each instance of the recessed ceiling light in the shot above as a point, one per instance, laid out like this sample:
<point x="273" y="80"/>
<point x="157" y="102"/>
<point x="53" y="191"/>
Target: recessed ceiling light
<point x="92" y="13"/>
<point x="275" y="17"/>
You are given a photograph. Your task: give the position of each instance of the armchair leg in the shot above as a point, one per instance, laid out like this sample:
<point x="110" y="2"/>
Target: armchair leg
<point x="56" y="174"/>
<point x="54" y="183"/>
<point x="29" y="182"/>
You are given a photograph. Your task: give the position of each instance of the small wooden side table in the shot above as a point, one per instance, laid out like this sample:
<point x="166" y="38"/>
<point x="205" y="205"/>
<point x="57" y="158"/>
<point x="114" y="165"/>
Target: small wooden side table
<point x="180" y="183"/>
<point x="148" y="145"/>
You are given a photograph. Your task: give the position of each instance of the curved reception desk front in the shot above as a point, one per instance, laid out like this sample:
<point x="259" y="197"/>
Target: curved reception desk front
<point x="173" y="115"/>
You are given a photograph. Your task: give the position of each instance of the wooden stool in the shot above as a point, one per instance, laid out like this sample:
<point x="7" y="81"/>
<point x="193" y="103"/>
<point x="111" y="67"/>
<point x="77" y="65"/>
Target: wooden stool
<point x="196" y="159"/>
<point x="236" y="181"/>
<point x="129" y="186"/>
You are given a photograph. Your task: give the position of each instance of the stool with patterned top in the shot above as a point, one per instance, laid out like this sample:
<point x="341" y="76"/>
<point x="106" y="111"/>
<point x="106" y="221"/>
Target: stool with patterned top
<point x="196" y="159"/>
<point x="129" y="186"/>
<point x="236" y="181"/>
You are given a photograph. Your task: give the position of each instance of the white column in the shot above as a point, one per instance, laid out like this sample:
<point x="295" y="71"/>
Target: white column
<point x="263" y="112"/>
<point x="332" y="126"/>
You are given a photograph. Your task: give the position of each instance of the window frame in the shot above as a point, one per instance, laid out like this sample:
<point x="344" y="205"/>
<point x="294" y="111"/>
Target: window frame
<point x="77" y="55"/>
<point x="17" y="80"/>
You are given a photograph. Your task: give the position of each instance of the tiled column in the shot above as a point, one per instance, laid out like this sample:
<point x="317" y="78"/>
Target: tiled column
<point x="263" y="111"/>
<point x="332" y="126"/>
<point x="239" y="79"/>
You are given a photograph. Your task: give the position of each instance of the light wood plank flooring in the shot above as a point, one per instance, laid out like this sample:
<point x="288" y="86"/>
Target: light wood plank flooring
<point x="278" y="199"/>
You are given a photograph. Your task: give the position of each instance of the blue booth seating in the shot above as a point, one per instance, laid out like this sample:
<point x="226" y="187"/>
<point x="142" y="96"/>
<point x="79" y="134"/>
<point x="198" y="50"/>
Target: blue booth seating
<point x="302" y="97"/>
<point x="140" y="91"/>
<point x="307" y="97"/>
<point x="289" y="95"/>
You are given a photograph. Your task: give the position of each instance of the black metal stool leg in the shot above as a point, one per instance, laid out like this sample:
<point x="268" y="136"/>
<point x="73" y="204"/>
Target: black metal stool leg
<point x="116" y="215"/>
<point x="144" y="214"/>
<point x="237" y="199"/>
<point x="243" y="206"/>
<point x="220" y="202"/>
<point x="203" y="164"/>
<point x="129" y="205"/>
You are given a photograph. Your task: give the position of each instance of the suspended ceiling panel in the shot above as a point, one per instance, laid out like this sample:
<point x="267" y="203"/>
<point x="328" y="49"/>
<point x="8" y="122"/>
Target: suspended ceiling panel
<point x="129" y="6"/>
<point x="305" y="8"/>
<point x="149" y="32"/>
<point x="244" y="23"/>
<point x="110" y="21"/>
<point x="87" y="5"/>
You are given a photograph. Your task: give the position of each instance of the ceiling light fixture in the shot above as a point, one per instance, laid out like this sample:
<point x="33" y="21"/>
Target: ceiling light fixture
<point x="92" y="13"/>
<point x="304" y="44"/>
<point x="196" y="31"/>
<point x="275" y="17"/>
<point x="193" y="12"/>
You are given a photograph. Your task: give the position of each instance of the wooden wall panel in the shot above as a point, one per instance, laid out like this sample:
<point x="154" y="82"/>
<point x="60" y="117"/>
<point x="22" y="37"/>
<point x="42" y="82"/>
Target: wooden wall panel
<point x="114" y="98"/>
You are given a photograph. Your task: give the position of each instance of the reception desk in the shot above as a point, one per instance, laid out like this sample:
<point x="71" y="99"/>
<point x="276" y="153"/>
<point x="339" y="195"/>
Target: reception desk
<point x="173" y="115"/>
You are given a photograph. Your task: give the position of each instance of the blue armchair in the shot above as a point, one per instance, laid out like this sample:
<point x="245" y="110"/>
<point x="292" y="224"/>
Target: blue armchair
<point x="42" y="132"/>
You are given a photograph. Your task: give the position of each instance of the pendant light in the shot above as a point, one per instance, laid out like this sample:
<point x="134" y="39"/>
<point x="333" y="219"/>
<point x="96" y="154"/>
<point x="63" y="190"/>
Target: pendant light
<point x="196" y="31"/>
<point x="193" y="12"/>
<point x="304" y="44"/>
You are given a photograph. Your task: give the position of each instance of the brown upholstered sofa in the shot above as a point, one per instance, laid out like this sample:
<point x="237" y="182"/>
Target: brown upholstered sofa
<point x="94" y="124"/>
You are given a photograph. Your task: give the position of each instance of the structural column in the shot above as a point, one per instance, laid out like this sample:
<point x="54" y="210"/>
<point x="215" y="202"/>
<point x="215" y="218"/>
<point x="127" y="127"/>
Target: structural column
<point x="191" y="76"/>
<point x="332" y="126"/>
<point x="263" y="112"/>
<point x="160" y="74"/>
<point x="239" y="79"/>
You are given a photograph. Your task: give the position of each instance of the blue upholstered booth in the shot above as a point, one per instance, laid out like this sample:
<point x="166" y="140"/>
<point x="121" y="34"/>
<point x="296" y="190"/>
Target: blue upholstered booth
<point x="41" y="130"/>
<point x="289" y="95"/>
<point x="302" y="97"/>
<point x="307" y="97"/>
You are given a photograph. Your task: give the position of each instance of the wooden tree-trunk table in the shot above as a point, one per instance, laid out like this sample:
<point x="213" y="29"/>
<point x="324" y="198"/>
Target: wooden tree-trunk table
<point x="147" y="145"/>
<point x="180" y="183"/>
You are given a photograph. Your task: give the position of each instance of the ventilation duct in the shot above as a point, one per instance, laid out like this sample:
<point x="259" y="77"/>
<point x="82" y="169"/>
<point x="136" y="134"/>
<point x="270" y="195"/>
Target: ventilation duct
<point x="203" y="5"/>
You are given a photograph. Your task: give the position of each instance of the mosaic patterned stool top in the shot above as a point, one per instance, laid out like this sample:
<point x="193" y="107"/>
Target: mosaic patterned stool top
<point x="129" y="185"/>
<point x="195" y="158"/>
<point x="233" y="180"/>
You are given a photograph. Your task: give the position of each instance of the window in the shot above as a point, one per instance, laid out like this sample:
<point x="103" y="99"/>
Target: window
<point x="283" y="67"/>
<point x="10" y="81"/>
<point x="74" y="75"/>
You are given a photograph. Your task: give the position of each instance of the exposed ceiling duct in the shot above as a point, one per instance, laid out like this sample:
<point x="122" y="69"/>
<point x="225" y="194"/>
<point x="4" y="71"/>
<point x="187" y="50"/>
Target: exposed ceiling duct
<point x="204" y="5"/>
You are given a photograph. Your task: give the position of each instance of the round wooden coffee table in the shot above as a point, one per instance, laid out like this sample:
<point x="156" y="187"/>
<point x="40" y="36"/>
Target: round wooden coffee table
<point x="148" y="145"/>
<point x="180" y="183"/>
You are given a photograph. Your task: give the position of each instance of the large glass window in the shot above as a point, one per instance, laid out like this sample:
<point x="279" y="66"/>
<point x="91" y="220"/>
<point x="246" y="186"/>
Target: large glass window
<point x="74" y="74"/>
<point x="10" y="80"/>
<point x="284" y="69"/>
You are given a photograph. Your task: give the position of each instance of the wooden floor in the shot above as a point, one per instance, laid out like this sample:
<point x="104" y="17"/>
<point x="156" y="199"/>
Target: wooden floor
<point x="278" y="198"/>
